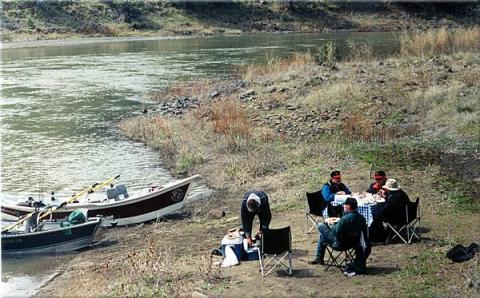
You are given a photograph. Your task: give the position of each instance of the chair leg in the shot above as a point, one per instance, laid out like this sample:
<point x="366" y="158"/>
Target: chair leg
<point x="396" y="234"/>
<point x="261" y="262"/>
<point x="308" y="225"/>
<point x="276" y="261"/>
<point x="290" y="263"/>
<point x="349" y="256"/>
<point x="419" y="229"/>
<point x="312" y="223"/>
<point x="412" y="227"/>
<point x="333" y="262"/>
<point x="408" y="235"/>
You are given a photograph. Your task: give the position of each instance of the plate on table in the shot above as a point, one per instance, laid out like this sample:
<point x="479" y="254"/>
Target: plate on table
<point x="332" y="220"/>
<point x="341" y="198"/>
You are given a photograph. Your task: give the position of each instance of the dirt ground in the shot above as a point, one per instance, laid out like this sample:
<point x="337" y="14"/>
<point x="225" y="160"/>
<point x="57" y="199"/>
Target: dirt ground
<point x="172" y="258"/>
<point x="419" y="269"/>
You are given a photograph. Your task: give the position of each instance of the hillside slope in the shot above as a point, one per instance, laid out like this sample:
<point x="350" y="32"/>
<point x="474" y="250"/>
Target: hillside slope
<point x="35" y="20"/>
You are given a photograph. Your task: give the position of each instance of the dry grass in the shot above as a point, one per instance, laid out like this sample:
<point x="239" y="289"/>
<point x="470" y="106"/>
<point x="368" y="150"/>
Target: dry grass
<point x="441" y="41"/>
<point x="360" y="127"/>
<point x="229" y="119"/>
<point x="157" y="271"/>
<point x="360" y="52"/>
<point x="156" y="132"/>
<point x="276" y="68"/>
<point x="339" y="94"/>
<point x="187" y="89"/>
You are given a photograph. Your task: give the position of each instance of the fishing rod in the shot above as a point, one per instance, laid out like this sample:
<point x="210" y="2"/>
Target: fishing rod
<point x="89" y="189"/>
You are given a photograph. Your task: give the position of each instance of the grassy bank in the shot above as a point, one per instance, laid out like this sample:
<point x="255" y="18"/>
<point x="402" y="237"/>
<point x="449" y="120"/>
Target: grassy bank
<point x="31" y="20"/>
<point x="282" y="127"/>
<point x="301" y="120"/>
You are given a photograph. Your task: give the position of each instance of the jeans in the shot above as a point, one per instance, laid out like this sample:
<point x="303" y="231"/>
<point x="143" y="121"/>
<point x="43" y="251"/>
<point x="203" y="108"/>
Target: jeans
<point x="360" y="261"/>
<point x="326" y="238"/>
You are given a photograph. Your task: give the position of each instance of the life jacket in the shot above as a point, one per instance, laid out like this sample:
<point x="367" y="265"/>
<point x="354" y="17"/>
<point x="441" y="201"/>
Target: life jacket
<point x="336" y="188"/>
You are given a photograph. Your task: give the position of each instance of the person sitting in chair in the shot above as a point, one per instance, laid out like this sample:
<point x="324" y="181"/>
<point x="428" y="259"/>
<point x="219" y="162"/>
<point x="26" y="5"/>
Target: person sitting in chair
<point x="254" y="203"/>
<point x="393" y="210"/>
<point x="347" y="233"/>
<point x="334" y="187"/>
<point x="395" y="201"/>
<point x="380" y="179"/>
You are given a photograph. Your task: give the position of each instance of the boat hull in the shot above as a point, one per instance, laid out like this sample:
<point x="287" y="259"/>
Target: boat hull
<point x="132" y="210"/>
<point x="53" y="241"/>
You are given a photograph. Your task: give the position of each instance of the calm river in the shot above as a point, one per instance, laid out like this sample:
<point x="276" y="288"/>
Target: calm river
<point x="60" y="105"/>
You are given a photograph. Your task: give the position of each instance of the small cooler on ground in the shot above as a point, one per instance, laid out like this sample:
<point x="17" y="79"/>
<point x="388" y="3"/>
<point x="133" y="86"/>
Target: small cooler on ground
<point x="251" y="254"/>
<point x="236" y="243"/>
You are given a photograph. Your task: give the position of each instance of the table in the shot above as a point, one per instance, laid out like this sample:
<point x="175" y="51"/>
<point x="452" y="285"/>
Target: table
<point x="367" y="210"/>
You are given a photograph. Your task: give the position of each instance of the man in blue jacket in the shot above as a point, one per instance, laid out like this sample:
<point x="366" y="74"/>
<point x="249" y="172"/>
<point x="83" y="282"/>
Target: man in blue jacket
<point x="254" y="203"/>
<point x="334" y="187"/>
<point x="349" y="232"/>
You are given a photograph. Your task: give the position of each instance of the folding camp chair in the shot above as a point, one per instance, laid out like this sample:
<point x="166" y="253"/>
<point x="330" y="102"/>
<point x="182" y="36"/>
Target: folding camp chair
<point x="278" y="244"/>
<point x="408" y="227"/>
<point x="314" y="206"/>
<point x="339" y="257"/>
<point x="342" y="255"/>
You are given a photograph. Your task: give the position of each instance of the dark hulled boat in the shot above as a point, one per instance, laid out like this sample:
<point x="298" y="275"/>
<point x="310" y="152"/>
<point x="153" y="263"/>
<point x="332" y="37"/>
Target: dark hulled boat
<point x="147" y="205"/>
<point x="52" y="239"/>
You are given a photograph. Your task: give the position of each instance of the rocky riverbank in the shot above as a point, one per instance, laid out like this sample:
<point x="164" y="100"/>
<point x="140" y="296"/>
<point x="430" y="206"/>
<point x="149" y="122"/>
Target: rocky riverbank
<point x="282" y="127"/>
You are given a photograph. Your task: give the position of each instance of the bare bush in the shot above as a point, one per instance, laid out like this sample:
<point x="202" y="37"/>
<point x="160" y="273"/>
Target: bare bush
<point x="155" y="272"/>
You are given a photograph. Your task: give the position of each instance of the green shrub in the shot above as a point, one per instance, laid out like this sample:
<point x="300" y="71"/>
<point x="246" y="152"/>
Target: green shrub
<point x="327" y="55"/>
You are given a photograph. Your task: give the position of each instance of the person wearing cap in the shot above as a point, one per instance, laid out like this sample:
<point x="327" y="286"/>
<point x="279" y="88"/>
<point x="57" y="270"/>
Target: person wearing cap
<point x="380" y="179"/>
<point x="393" y="210"/>
<point x="346" y="231"/>
<point x="254" y="203"/>
<point x="334" y="187"/>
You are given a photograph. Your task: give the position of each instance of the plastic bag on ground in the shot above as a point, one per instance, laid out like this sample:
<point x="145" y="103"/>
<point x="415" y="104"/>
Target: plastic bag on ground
<point x="230" y="258"/>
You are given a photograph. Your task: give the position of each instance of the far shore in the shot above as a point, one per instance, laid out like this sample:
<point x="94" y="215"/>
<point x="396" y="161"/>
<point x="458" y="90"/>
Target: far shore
<point x="88" y="40"/>
<point x="83" y="40"/>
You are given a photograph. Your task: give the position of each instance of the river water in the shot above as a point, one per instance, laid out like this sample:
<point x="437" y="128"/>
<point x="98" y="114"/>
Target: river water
<point x="60" y="106"/>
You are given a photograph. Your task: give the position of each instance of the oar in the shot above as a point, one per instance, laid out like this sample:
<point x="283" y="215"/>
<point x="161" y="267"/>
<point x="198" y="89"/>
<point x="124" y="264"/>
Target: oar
<point x="92" y="188"/>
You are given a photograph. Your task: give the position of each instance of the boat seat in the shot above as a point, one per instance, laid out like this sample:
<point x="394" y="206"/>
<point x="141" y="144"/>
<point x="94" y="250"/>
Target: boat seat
<point x="117" y="191"/>
<point x="32" y="222"/>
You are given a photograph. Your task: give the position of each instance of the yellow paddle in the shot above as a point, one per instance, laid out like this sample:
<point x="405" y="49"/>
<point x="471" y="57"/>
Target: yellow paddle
<point x="89" y="189"/>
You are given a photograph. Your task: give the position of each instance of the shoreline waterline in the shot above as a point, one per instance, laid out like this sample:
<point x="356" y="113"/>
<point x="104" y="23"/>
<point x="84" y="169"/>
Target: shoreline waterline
<point x="91" y="40"/>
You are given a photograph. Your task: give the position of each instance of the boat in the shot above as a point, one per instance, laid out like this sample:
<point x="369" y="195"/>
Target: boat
<point x="9" y="217"/>
<point x="117" y="207"/>
<point x="51" y="238"/>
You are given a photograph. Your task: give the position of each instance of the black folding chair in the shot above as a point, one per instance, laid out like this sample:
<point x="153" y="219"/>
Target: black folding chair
<point x="344" y="254"/>
<point x="408" y="226"/>
<point x="276" y="243"/>
<point x="339" y="257"/>
<point x="314" y="207"/>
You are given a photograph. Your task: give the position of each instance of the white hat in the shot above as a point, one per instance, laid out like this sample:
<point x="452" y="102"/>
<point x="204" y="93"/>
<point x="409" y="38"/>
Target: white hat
<point x="256" y="199"/>
<point x="392" y="185"/>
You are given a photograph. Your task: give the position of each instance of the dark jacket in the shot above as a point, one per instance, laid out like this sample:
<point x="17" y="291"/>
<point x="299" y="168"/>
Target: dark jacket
<point x="394" y="209"/>
<point x="329" y="189"/>
<point x="349" y="228"/>
<point x="263" y="212"/>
